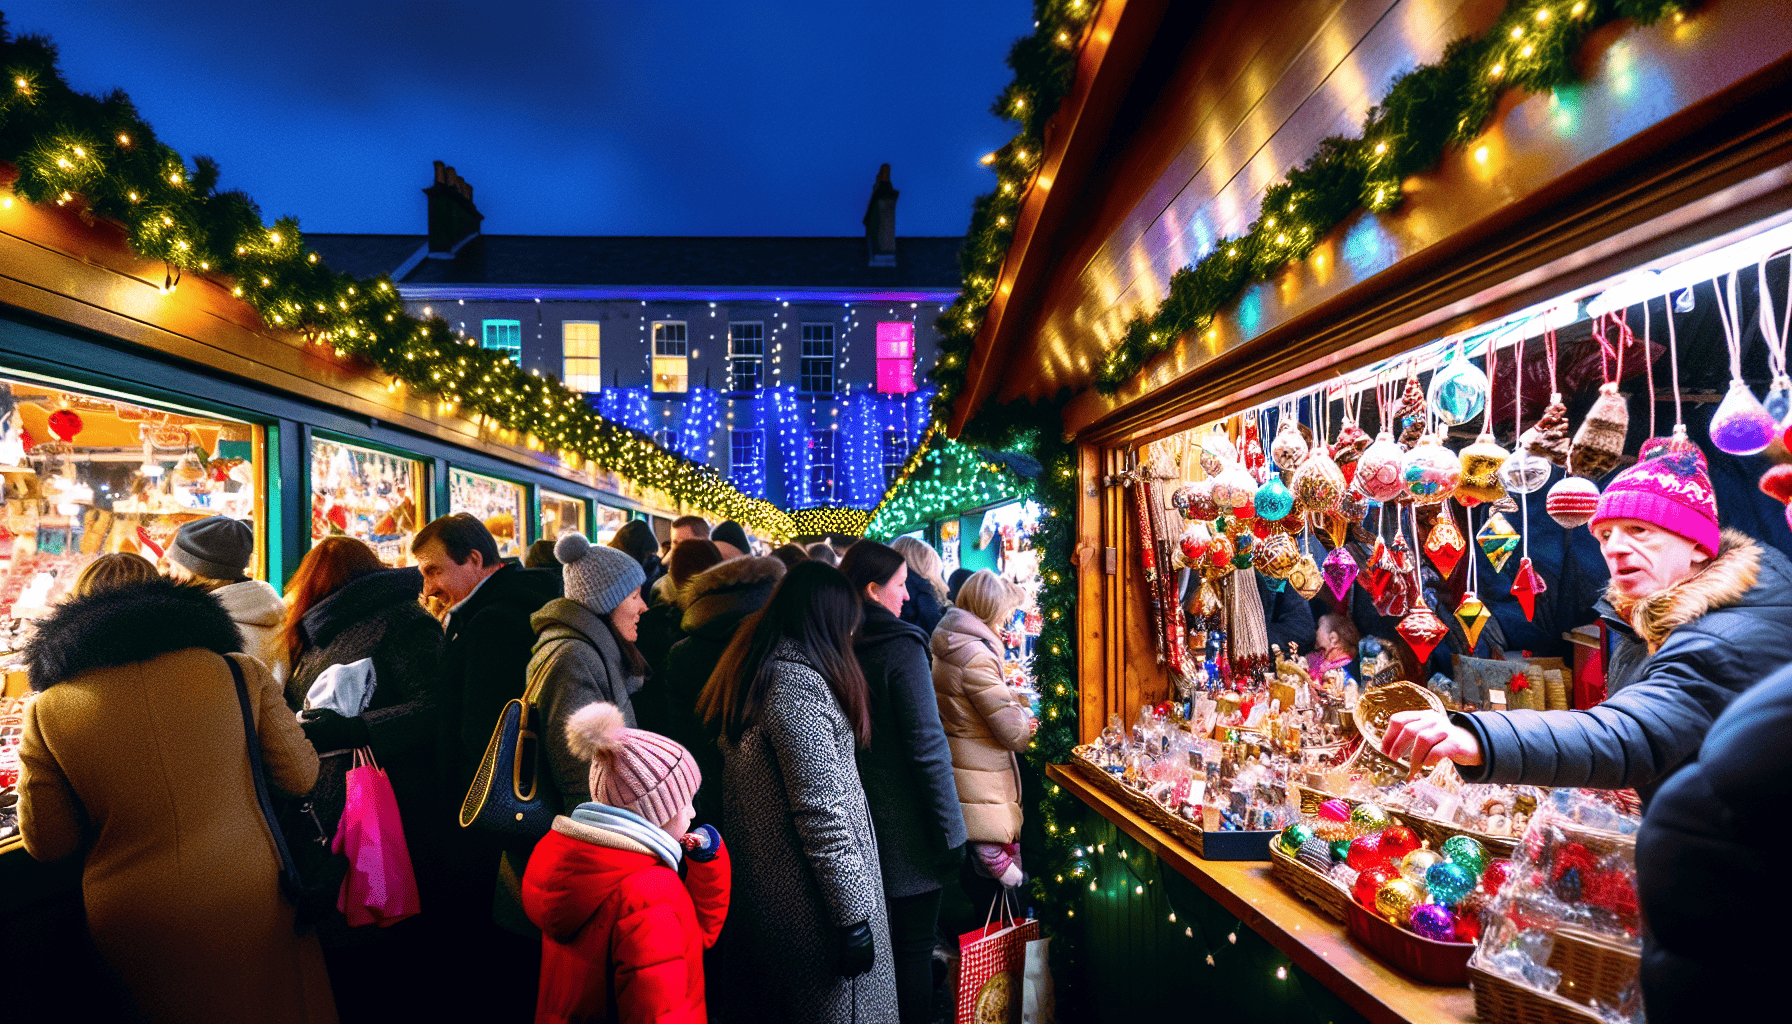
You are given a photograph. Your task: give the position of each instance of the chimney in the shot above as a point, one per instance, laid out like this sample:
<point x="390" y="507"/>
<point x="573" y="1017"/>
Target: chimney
<point x="880" y="220"/>
<point x="452" y="216"/>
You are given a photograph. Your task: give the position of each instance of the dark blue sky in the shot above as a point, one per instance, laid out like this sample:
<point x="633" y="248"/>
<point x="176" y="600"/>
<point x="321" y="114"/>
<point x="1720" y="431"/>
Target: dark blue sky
<point x="606" y="117"/>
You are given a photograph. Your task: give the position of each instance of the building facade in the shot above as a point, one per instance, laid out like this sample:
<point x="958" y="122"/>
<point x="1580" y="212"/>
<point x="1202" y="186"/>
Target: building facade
<point x="794" y="365"/>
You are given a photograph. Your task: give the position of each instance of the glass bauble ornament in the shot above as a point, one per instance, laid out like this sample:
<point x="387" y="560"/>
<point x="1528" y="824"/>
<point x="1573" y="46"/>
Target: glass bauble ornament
<point x="1741" y="425"/>
<point x="1458" y="390"/>
<point x="1397" y="841"/>
<point x="1448" y="882"/>
<point x="1396" y="898"/>
<point x="1182" y="499"/>
<point x="1365" y="853"/>
<point x="1350" y="444"/>
<point x="1370" y="818"/>
<point x="1444" y="545"/>
<point x="1431" y="471"/>
<point x="1335" y="810"/>
<point x="1193" y="543"/>
<point x="1495" y="876"/>
<point x="1234" y="489"/>
<point x="1274" y="500"/>
<point x="1778" y="402"/>
<point x="1315" y="854"/>
<point x="1498" y="540"/>
<point x="1423" y="630"/>
<point x="1369" y="881"/>
<point x="1219" y="555"/>
<point x="1526" y="585"/>
<point x="1468" y="923"/>
<point x="1572" y="502"/>
<point x="1250" y="450"/>
<point x="1201" y="506"/>
<point x="1481" y="464"/>
<point x="1340" y="570"/>
<point x="1524" y="473"/>
<point x="1275" y="556"/>
<point x="1378" y="469"/>
<point x="1410" y="413"/>
<point x="1305" y="577"/>
<point x="1473" y="614"/>
<point x="1217" y="452"/>
<point x="1433" y="921"/>
<point x="1288" y="449"/>
<point x="1294" y="837"/>
<point x="1467" y="852"/>
<point x="1319" y="484"/>
<point x="1353" y="507"/>
<point x="1417" y="862"/>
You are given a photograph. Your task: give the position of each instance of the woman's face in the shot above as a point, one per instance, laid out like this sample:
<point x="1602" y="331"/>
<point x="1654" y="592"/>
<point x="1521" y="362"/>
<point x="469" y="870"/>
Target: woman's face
<point x="1645" y="559"/>
<point x="892" y="593"/>
<point x="627" y="616"/>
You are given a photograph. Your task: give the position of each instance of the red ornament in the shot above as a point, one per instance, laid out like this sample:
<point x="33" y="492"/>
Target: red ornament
<point x="65" y="424"/>
<point x="1370" y="881"/>
<point x="1445" y="545"/>
<point x="1365" y="853"/>
<point x="1526" y="586"/>
<point x="1397" y="841"/>
<point x="1379" y="572"/>
<point x="1495" y="877"/>
<point x="1468" y="918"/>
<point x="1423" y="630"/>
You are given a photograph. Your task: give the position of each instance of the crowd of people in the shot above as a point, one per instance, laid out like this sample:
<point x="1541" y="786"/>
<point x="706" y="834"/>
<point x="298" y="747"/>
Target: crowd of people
<point x="764" y="771"/>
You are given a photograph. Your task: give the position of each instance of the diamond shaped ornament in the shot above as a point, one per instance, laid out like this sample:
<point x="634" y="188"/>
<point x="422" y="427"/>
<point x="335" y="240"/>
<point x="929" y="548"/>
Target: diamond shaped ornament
<point x="1445" y="545"/>
<point x="1423" y="630"/>
<point x="1498" y="540"/>
<point x="1473" y="615"/>
<point x="1340" y="570"/>
<point x="1526" y="586"/>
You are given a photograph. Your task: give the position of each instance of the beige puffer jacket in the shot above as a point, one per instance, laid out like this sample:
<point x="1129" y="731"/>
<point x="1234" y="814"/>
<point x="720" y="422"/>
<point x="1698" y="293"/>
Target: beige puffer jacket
<point x="986" y="723"/>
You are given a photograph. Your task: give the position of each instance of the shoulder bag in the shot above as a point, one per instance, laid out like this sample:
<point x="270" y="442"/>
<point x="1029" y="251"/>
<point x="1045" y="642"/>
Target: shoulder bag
<point x="510" y="794"/>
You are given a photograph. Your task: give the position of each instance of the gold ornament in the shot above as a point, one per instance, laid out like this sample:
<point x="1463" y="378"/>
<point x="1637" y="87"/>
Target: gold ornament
<point x="1396" y="898"/>
<point x="1305" y="577"/>
<point x="1481" y="463"/>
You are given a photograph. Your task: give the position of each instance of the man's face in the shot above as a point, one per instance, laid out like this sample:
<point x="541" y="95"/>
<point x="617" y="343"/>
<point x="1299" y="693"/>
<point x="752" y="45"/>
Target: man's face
<point x="680" y="534"/>
<point x="1644" y="558"/>
<point x="445" y="580"/>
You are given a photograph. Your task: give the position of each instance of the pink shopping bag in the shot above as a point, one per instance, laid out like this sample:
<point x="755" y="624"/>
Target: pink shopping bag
<point x="991" y="961"/>
<point x="380" y="887"/>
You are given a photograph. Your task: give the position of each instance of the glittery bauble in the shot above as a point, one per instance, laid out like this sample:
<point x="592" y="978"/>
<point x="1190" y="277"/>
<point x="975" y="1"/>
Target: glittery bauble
<point x="1444" y="545"/>
<point x="65" y="424"/>
<point x="1396" y="898"/>
<point x="1423" y="630"/>
<point x="1741" y="425"/>
<point x="1365" y="853"/>
<point x="1378" y="469"/>
<point x="1288" y="448"/>
<point x="1294" y="836"/>
<point x="1334" y="810"/>
<point x="1274" y="500"/>
<point x="1316" y="854"/>
<point x="1467" y="852"/>
<point x="1370" y="817"/>
<point x="1481" y="464"/>
<point x="1341" y="852"/>
<point x="1234" y="488"/>
<point x="1468" y="923"/>
<point x="1319" y="484"/>
<point x="1433" y="921"/>
<point x="1219" y="553"/>
<point x="1275" y="556"/>
<point x="1201" y="506"/>
<point x="1524" y="473"/>
<point x="1448" y="883"/>
<point x="1397" y="841"/>
<point x="1194" y="542"/>
<point x="1572" y="502"/>
<point x="1305" y="577"/>
<point x="1458" y="390"/>
<point x="1182" y="499"/>
<point x="1369" y="881"/>
<point x="1415" y="864"/>
<point x="1217" y="452"/>
<point x="1430" y="471"/>
<point x="1340" y="571"/>
<point x="1496" y="875"/>
<point x="1498" y="540"/>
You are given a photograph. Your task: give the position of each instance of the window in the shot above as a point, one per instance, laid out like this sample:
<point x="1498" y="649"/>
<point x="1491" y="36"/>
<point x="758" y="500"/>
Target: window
<point x="505" y="336"/>
<point x="818" y="358"/>
<point x="579" y="356"/>
<point x="824" y="485"/>
<point x="667" y="438"/>
<point x="895" y="358"/>
<point x="746" y="357"/>
<point x="746" y="453"/>
<point x="896" y="455"/>
<point x="671" y="357"/>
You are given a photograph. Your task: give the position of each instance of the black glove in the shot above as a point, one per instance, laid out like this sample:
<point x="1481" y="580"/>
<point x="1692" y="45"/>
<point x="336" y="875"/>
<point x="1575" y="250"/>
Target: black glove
<point x="950" y="863"/>
<point x="857" y="953"/>
<point x="329" y="731"/>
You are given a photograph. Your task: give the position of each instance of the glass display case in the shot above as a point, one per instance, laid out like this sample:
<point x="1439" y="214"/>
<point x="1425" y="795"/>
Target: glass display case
<point x="370" y="495"/>
<point x="497" y="503"/>
<point x="609" y="520"/>
<point x="560" y="513"/>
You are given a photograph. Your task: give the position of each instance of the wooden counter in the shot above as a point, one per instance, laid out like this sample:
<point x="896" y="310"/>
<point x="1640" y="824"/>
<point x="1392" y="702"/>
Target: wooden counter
<point x="1316" y="943"/>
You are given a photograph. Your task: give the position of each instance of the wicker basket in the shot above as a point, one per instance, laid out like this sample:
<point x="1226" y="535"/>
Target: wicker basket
<point x="1432" y="832"/>
<point x="1593" y="966"/>
<point x="1236" y="845"/>
<point x="1308" y="884"/>
<point x="1499" y="1001"/>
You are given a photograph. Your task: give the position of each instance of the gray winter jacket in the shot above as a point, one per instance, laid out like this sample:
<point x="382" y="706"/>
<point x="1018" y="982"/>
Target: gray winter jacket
<point x="576" y="662"/>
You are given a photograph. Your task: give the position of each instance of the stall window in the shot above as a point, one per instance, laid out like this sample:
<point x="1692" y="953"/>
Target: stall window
<point x="746" y="356"/>
<point x="560" y="513"/>
<point x="497" y="503"/>
<point x="895" y="358"/>
<point x="369" y="495"/>
<point x="505" y="336"/>
<point x="581" y="369"/>
<point x="818" y="358"/>
<point x="87" y="474"/>
<point x="671" y="357"/>
<point x="824" y="483"/>
<point x="609" y="520"/>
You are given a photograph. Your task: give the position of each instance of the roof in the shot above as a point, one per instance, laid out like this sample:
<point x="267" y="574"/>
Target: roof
<point x="924" y="263"/>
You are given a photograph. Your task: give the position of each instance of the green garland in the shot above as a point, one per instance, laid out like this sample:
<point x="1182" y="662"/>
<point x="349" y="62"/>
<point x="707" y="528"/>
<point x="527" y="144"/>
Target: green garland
<point x="99" y="157"/>
<point x="955" y="478"/>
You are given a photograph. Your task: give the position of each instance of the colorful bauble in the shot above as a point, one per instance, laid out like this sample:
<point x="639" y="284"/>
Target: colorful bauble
<point x="1423" y="630"/>
<point x="1234" y="489"/>
<point x="1275" y="556"/>
<point x="1365" y="852"/>
<point x="1496" y="875"/>
<point x="1334" y="810"/>
<point x="1379" y="469"/>
<point x="1430" y="471"/>
<point x="1444" y="544"/>
<point x="1468" y="918"/>
<point x="1527" y="583"/>
<point x="1217" y="452"/>
<point x="1340" y="571"/>
<point x="1274" y="500"/>
<point x="65" y="424"/>
<point x="1741" y="425"/>
<point x="1369" y="881"/>
<point x="1349" y="445"/>
<point x="1288" y="449"/>
<point x="1201" y="506"/>
<point x="1498" y="540"/>
<point x="1305" y="577"/>
<point x="1467" y="852"/>
<point x="1415" y="864"/>
<point x="1316" y="854"/>
<point x="1370" y="817"/>
<point x="1319" y="484"/>
<point x="1434" y="922"/>
<point x="1397" y="841"/>
<point x="1340" y="852"/>
<point x="1294" y="836"/>
<point x="1194" y="541"/>
<point x="1524" y="473"/>
<point x="1458" y="390"/>
<point x="1472" y="612"/>
<point x="1396" y="898"/>
<point x="1182" y="499"/>
<point x="1448" y="883"/>
<point x="1481" y="464"/>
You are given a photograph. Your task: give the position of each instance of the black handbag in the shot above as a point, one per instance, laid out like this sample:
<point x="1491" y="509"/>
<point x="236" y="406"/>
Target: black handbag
<point x="511" y="794"/>
<point x="313" y="890"/>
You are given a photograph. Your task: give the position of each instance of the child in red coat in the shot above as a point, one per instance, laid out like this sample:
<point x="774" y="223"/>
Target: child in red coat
<point x="622" y="937"/>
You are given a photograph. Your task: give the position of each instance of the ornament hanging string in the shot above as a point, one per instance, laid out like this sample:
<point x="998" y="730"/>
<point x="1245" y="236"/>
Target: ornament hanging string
<point x="1549" y="357"/>
<point x="1772" y="333"/>
<point x="1726" y="315"/>
<point x="1673" y="363"/>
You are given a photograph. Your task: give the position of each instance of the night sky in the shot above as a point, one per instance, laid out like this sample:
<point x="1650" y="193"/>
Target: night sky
<point x="669" y="117"/>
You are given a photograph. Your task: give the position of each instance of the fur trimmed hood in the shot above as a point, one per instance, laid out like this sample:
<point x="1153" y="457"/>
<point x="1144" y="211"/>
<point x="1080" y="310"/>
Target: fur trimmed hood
<point x="716" y="599"/>
<point x="126" y="626"/>
<point x="1724" y="582"/>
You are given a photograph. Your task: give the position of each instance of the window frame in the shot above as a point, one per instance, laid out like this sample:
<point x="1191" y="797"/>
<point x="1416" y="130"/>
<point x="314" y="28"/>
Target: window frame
<point x="662" y="360"/>
<point x="831" y="465"/>
<point x="485" y="338"/>
<point x="595" y="360"/>
<point x="736" y="358"/>
<point x="892" y="469"/>
<point x="755" y="442"/>
<point x="809" y="365"/>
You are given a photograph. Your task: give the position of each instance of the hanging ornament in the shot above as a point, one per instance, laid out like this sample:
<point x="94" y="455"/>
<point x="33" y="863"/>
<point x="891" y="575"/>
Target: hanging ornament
<point x="1549" y="438"/>
<point x="1498" y="540"/>
<point x="1340" y="571"/>
<point x="1423" y="630"/>
<point x="1572" y="501"/>
<point x="1219" y="557"/>
<point x="1217" y="451"/>
<point x="1599" y="443"/>
<point x="1380" y="571"/>
<point x="1352" y="507"/>
<point x="1445" y="545"/>
<point x="1410" y="413"/>
<point x="1472" y="612"/>
<point x="1430" y="471"/>
<point x="1352" y="441"/>
<point x="1526" y="586"/>
<point x="1378" y="469"/>
<point x="1275" y="556"/>
<point x="1182" y="500"/>
<point x="1274" y="501"/>
<point x="1318" y="484"/>
<point x="1250" y="449"/>
<point x="1778" y="402"/>
<point x="1201" y="506"/>
<point x="1193" y="543"/>
<point x="1458" y="390"/>
<point x="1289" y="449"/>
<point x="1524" y="472"/>
<point x="1481" y="464"/>
<point x="1229" y="485"/>
<point x="65" y="424"/>
<point x="1741" y="425"/>
<point x="1305" y="577"/>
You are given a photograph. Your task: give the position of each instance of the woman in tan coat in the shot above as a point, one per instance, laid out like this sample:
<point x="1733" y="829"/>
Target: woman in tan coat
<point x="135" y="756"/>
<point x="986" y="721"/>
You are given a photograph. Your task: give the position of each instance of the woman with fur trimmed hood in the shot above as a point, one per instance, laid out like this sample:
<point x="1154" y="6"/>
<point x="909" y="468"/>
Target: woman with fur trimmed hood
<point x="135" y="757"/>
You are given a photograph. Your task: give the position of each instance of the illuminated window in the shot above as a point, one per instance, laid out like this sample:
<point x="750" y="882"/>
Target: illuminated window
<point x="895" y="358"/>
<point x="746" y="357"/>
<point x="667" y="437"/>
<point x="505" y="336"/>
<point x="896" y="453"/>
<point x="746" y="453"/>
<point x="824" y="484"/>
<point x="818" y="358"/>
<point x="671" y="356"/>
<point x="580" y="370"/>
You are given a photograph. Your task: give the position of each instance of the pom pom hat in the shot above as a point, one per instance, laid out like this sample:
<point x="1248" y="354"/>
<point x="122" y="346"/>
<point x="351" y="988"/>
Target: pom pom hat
<point x="599" y="578"/>
<point x="1669" y="487"/>
<point x="634" y="769"/>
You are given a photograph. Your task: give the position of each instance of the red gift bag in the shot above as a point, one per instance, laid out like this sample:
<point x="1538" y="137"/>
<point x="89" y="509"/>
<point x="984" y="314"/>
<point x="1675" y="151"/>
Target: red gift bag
<point x="991" y="962"/>
<point x="380" y="887"/>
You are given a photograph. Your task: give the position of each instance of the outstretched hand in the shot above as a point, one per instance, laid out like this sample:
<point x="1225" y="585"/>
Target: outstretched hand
<point x="1428" y="737"/>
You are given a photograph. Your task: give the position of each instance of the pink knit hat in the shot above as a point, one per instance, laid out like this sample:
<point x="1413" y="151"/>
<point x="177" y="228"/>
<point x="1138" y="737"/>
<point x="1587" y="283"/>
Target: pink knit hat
<point x="632" y="768"/>
<point x="1669" y="488"/>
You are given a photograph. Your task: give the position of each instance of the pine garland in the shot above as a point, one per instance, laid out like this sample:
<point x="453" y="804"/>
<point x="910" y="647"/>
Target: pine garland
<point x="100" y="158"/>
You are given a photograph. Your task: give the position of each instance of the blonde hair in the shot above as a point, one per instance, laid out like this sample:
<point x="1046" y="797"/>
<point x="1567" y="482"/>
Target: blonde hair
<point x="923" y="562"/>
<point x="989" y="597"/>
<point x="114" y="571"/>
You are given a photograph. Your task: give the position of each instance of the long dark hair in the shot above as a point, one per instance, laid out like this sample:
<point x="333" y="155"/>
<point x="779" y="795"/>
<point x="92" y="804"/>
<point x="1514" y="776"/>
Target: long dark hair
<point x="815" y="608"/>
<point x="868" y="562"/>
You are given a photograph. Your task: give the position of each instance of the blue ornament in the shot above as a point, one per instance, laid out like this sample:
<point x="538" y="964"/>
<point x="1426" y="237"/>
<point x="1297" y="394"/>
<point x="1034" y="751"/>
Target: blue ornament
<point x="1449" y="883"/>
<point x="1274" y="501"/>
<point x="1458" y="390"/>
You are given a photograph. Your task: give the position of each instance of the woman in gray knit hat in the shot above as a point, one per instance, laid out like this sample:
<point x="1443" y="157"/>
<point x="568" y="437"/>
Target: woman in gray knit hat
<point x="213" y="554"/>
